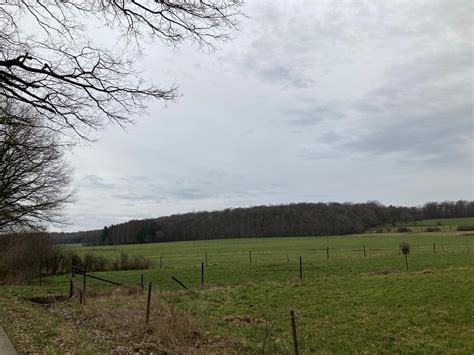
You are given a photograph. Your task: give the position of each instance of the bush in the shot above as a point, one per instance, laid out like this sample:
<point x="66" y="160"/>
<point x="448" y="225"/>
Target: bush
<point x="140" y="263"/>
<point x="379" y="230"/>
<point x="137" y="262"/>
<point x="403" y="230"/>
<point x="405" y="247"/>
<point x="21" y="255"/>
<point x="465" y="228"/>
<point x="432" y="229"/>
<point x="93" y="262"/>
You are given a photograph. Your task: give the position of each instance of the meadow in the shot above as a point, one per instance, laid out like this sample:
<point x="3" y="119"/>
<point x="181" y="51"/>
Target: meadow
<point x="347" y="302"/>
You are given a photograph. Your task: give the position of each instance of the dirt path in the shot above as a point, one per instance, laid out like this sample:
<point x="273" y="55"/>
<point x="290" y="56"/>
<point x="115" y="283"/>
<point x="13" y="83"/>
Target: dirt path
<point x="6" y="347"/>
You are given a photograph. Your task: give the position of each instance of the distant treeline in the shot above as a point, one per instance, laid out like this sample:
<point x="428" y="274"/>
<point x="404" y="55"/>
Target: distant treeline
<point x="74" y="237"/>
<point x="301" y="219"/>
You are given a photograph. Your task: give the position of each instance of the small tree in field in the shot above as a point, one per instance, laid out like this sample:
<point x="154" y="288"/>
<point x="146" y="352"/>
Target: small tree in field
<point x="405" y="249"/>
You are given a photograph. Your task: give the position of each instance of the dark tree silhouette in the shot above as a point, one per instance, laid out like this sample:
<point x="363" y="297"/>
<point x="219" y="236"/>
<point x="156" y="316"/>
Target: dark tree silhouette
<point x="57" y="84"/>
<point x="34" y="177"/>
<point x="49" y="63"/>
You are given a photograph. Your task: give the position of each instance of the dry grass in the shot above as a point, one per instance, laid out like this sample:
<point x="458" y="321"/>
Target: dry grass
<point x="112" y="322"/>
<point x="117" y="322"/>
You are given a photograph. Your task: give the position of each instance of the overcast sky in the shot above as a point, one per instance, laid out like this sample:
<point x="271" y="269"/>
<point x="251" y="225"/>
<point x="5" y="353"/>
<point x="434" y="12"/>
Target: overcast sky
<point x="311" y="101"/>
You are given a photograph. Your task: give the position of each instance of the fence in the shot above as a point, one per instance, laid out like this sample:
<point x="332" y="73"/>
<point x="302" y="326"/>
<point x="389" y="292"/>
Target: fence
<point x="197" y="269"/>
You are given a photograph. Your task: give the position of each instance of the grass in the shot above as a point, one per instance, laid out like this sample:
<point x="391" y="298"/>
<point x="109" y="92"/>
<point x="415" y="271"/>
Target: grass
<point x="450" y="222"/>
<point x="445" y="224"/>
<point x="345" y="304"/>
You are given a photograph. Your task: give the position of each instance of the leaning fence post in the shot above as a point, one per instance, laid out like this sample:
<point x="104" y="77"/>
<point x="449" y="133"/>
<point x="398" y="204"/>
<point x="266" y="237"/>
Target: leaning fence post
<point x="182" y="285"/>
<point x="293" y="328"/>
<point x="148" y="303"/>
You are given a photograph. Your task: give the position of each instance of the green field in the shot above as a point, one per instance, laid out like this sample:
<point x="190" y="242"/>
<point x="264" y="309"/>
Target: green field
<point x="450" y="222"/>
<point x="346" y="303"/>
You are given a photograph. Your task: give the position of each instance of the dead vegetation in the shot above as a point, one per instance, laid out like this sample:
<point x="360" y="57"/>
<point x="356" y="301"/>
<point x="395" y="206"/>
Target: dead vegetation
<point x="114" y="323"/>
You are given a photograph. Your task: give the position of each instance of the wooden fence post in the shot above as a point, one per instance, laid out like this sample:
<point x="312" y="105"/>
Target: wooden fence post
<point x="202" y="274"/>
<point x="365" y="255"/>
<point x="84" y="287"/>
<point x="250" y="256"/>
<point x="148" y="302"/>
<point x="327" y="252"/>
<point x="41" y="266"/>
<point x="71" y="283"/>
<point x="142" y="284"/>
<point x="434" y="248"/>
<point x="293" y="328"/>
<point x="301" y="269"/>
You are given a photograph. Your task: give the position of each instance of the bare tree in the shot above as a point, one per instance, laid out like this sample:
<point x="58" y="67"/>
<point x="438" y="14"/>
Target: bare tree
<point x="34" y="176"/>
<point x="58" y="83"/>
<point x="49" y="63"/>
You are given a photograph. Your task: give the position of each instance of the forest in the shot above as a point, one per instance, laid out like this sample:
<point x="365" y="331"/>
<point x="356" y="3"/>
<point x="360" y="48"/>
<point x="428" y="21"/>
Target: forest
<point x="298" y="219"/>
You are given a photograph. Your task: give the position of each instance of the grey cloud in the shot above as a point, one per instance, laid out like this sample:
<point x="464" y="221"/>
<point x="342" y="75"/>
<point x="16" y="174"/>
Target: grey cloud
<point x="310" y="114"/>
<point x="213" y="184"/>
<point x="307" y="102"/>
<point x="136" y="178"/>
<point x="190" y="193"/>
<point x="430" y="136"/>
<point x="92" y="181"/>
<point x="285" y="75"/>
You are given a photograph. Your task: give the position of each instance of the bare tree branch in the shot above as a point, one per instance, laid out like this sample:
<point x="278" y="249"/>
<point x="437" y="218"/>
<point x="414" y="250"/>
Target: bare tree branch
<point x="57" y="84"/>
<point x="34" y="176"/>
<point x="48" y="62"/>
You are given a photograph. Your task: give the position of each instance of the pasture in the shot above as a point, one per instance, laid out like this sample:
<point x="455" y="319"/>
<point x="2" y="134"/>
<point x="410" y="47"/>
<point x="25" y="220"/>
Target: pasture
<point x="347" y="302"/>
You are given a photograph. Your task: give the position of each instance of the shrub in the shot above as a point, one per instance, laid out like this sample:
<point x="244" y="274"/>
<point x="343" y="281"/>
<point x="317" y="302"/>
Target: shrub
<point x="123" y="261"/>
<point x="465" y="228"/>
<point x="403" y="230"/>
<point x="21" y="255"/>
<point x="432" y="229"/>
<point x="405" y="248"/>
<point x="140" y="262"/>
<point x="379" y="230"/>
<point x="93" y="262"/>
<point x="137" y="262"/>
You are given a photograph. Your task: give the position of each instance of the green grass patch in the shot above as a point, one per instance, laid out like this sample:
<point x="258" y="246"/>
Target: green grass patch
<point x="345" y="303"/>
<point x="447" y="222"/>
